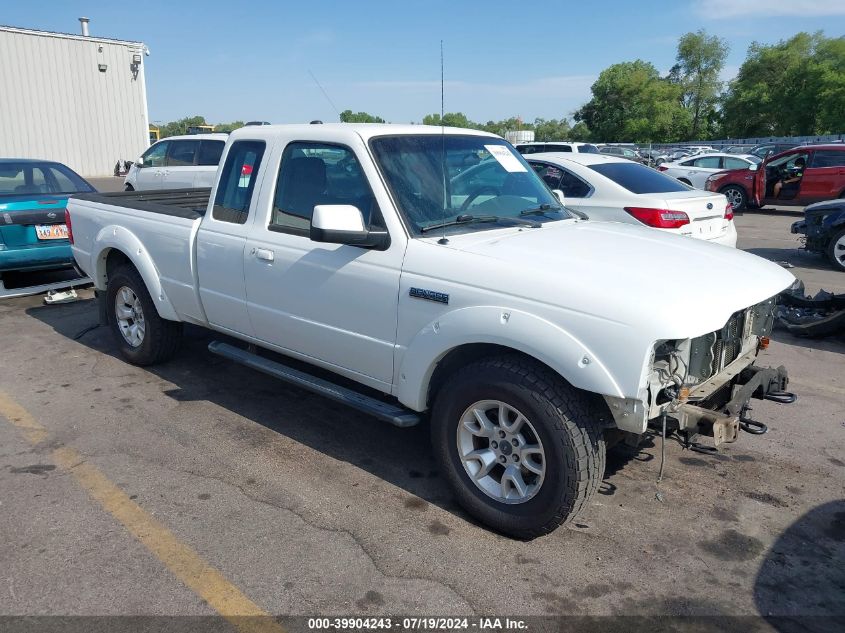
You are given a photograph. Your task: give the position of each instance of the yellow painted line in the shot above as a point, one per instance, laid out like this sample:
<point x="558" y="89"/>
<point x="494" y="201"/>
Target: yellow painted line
<point x="182" y="561"/>
<point x="20" y="417"/>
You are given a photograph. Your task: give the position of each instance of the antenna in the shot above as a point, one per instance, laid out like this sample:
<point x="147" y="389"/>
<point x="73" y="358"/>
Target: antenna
<point x="444" y="239"/>
<point x="325" y="94"/>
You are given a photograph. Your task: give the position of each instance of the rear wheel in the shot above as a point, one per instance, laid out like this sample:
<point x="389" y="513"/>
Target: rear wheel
<point x="736" y="196"/>
<point x="144" y="338"/>
<point x="522" y="449"/>
<point x="685" y="181"/>
<point x="129" y="188"/>
<point x="836" y="250"/>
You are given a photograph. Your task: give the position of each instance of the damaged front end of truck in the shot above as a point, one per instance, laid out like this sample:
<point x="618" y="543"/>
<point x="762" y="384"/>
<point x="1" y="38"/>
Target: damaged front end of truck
<point x="701" y="387"/>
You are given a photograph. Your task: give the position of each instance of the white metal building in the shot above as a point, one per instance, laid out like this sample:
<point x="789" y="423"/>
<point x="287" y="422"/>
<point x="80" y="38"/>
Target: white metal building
<point x="75" y="99"/>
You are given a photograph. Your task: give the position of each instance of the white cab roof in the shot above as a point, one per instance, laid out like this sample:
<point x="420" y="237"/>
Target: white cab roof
<point x="365" y="130"/>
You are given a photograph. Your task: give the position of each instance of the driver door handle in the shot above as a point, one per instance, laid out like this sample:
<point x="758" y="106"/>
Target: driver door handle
<point x="265" y="254"/>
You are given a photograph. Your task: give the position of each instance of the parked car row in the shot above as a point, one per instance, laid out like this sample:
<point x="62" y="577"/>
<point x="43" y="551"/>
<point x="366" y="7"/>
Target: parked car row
<point x="797" y="177"/>
<point x="608" y="182"/>
<point x="695" y="171"/>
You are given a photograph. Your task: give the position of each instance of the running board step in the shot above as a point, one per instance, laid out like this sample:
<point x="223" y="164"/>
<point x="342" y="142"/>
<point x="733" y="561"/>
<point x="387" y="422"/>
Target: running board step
<point x="9" y="293"/>
<point x="394" y="414"/>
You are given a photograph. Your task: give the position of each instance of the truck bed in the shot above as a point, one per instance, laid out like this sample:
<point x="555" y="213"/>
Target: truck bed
<point x="183" y="203"/>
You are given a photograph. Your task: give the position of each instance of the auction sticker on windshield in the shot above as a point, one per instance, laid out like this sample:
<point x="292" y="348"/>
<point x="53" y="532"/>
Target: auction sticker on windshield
<point x="505" y="157"/>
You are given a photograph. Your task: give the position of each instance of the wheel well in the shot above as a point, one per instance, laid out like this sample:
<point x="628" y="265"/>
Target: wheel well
<point x="685" y="181"/>
<point x="464" y="355"/>
<point x="114" y="259"/>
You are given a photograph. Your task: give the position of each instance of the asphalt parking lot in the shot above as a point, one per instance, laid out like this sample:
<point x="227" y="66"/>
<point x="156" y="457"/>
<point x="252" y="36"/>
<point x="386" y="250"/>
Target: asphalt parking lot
<point x="175" y="489"/>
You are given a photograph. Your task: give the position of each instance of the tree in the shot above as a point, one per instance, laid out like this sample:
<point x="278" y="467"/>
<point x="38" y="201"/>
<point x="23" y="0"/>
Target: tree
<point x="176" y="128"/>
<point x="228" y="127"/>
<point x="794" y="87"/>
<point x="700" y="59"/>
<point x="450" y="119"/>
<point x="631" y="102"/>
<point x="551" y="129"/>
<point x="347" y="116"/>
<point x="580" y="132"/>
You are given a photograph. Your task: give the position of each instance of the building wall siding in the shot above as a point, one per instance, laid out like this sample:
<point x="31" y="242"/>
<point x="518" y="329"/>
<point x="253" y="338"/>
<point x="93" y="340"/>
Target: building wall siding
<point x="56" y="104"/>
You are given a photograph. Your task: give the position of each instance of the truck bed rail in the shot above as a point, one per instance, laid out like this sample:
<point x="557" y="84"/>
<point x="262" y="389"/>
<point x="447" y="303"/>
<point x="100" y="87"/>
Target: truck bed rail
<point x="183" y="203"/>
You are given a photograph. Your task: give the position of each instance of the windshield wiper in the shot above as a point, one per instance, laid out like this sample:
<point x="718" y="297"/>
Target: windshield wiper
<point x="545" y="208"/>
<point x="466" y="218"/>
<point x="541" y="210"/>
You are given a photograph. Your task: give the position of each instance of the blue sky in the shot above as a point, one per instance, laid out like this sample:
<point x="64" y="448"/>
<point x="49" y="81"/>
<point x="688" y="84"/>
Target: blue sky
<point x="251" y="60"/>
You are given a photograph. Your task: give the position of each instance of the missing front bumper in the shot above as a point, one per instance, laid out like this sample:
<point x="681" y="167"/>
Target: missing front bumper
<point x="714" y="417"/>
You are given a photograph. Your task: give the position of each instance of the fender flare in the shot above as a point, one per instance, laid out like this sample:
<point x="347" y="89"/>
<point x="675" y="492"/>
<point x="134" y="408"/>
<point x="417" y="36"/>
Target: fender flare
<point x="517" y="330"/>
<point x="113" y="237"/>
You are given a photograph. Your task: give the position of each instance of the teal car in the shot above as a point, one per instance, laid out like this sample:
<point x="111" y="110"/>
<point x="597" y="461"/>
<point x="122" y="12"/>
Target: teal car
<point x="33" y="196"/>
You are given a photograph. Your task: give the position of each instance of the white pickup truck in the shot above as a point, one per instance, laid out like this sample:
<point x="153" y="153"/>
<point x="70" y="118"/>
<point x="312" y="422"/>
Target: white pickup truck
<point x="527" y="336"/>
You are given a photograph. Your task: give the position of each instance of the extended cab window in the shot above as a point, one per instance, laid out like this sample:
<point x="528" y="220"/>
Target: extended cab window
<point x="237" y="181"/>
<point x="312" y="174"/>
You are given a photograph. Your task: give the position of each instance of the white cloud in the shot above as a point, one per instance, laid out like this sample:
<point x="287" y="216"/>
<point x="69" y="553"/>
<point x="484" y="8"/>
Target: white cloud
<point x="726" y="9"/>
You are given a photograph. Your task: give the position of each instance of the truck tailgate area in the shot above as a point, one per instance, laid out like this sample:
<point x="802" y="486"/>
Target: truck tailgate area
<point x="155" y="230"/>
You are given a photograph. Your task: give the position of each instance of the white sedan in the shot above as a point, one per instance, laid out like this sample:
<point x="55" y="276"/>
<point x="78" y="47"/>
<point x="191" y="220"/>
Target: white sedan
<point x="695" y="170"/>
<point x="617" y="190"/>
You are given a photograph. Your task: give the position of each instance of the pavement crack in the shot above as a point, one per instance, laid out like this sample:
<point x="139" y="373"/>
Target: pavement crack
<point x="311" y="523"/>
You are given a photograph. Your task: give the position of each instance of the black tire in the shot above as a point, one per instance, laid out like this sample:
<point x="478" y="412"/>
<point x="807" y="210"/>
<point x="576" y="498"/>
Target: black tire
<point x="834" y="254"/>
<point x="685" y="181"/>
<point x="735" y="192"/>
<point x="569" y="423"/>
<point x="129" y="188"/>
<point x="161" y="337"/>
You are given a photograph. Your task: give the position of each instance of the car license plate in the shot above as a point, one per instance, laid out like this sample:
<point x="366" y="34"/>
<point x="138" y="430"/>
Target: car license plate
<point x="51" y="231"/>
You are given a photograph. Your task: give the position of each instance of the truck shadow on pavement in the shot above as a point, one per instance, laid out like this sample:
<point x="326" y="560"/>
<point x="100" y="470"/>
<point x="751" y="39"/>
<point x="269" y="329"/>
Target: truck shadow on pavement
<point x="801" y="584"/>
<point x="401" y="457"/>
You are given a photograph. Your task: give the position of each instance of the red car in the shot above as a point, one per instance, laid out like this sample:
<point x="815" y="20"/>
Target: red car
<point x="796" y="177"/>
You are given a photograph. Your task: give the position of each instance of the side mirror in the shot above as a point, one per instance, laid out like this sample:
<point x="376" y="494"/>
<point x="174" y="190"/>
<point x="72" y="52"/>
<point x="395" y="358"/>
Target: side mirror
<point x="344" y="224"/>
<point x="560" y="197"/>
<point x="753" y="167"/>
<point x="139" y="161"/>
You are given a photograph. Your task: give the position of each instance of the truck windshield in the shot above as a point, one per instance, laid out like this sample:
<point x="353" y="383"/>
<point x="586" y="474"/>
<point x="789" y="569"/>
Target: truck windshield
<point x="435" y="179"/>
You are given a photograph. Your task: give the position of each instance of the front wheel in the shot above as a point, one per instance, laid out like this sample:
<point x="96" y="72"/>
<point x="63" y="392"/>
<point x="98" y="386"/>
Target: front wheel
<point x="144" y="338"/>
<point x="736" y="196"/>
<point x="836" y="250"/>
<point x="521" y="448"/>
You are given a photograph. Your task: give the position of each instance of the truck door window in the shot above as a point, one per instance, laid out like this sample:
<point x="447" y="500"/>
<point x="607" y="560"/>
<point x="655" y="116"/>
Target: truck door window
<point x="237" y="181"/>
<point x="317" y="173"/>
<point x="154" y="157"/>
<point x="182" y="153"/>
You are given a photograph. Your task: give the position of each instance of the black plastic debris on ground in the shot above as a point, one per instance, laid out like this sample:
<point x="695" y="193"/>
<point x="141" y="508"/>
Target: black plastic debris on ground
<point x="821" y="315"/>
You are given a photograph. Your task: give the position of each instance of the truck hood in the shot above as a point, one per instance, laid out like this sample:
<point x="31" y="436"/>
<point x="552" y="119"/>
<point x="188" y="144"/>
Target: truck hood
<point x="642" y="277"/>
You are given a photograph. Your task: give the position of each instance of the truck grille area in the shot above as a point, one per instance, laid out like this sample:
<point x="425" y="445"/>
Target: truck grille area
<point x="711" y="353"/>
